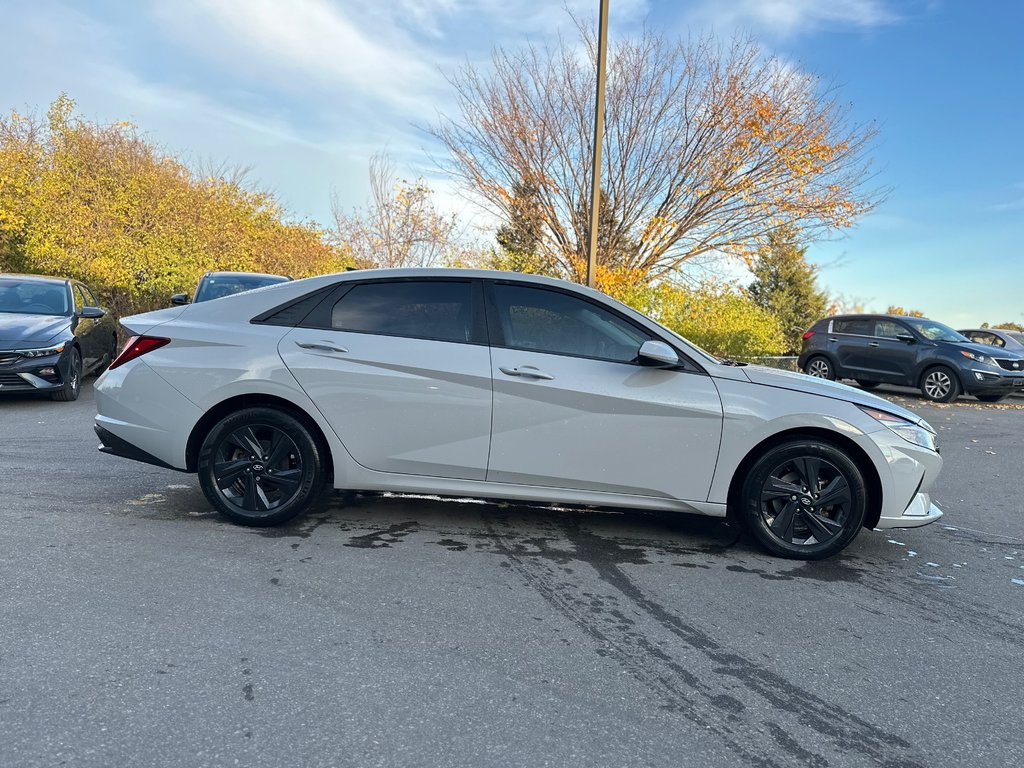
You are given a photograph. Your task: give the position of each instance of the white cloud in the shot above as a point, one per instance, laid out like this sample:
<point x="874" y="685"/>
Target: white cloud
<point x="793" y="17"/>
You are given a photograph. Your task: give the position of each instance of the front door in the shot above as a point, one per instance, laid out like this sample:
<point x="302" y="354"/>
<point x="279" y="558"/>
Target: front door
<point x="573" y="408"/>
<point x="401" y="370"/>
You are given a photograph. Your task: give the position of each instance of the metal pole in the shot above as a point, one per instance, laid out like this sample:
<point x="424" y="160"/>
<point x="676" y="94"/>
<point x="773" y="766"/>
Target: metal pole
<point x="595" y="190"/>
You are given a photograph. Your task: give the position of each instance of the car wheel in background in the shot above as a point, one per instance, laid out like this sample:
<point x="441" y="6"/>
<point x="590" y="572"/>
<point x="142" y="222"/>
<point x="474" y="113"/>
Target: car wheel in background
<point x="940" y="384"/>
<point x="991" y="398"/>
<point x="820" y="368"/>
<point x="865" y="384"/>
<point x="261" y="466"/>
<point x="804" y="499"/>
<point x="73" y="384"/>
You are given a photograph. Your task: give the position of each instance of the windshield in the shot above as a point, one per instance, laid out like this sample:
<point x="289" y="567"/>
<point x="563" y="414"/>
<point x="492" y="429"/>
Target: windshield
<point x="935" y="331"/>
<point x="218" y="286"/>
<point x="31" y="297"/>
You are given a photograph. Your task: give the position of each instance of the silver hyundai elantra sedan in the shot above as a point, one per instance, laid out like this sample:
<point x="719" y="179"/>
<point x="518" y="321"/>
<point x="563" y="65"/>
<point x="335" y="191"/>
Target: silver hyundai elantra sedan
<point x="501" y="385"/>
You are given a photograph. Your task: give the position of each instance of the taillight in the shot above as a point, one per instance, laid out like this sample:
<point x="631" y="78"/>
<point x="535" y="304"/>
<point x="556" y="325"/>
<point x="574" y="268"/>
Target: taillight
<point x="807" y="335"/>
<point x="137" y="346"/>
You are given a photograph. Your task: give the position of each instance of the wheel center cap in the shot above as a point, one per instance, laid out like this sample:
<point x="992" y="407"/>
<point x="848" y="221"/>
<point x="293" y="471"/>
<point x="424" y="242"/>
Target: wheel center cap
<point x="806" y="501"/>
<point x="257" y="467"/>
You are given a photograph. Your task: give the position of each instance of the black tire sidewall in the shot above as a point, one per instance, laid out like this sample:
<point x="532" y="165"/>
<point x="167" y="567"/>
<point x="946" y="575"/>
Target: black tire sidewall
<point x="313" y="476"/>
<point x="73" y="386"/>
<point x="750" y="499"/>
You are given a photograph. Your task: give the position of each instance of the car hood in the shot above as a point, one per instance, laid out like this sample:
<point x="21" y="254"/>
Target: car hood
<point x="17" y="330"/>
<point x="799" y="382"/>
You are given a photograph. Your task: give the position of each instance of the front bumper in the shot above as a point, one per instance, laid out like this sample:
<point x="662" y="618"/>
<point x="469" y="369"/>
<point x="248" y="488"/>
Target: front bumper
<point x="19" y="374"/>
<point x="991" y="381"/>
<point x="920" y="512"/>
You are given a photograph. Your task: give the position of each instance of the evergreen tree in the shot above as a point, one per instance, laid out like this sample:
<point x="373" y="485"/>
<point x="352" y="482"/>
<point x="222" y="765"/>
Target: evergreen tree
<point x="784" y="284"/>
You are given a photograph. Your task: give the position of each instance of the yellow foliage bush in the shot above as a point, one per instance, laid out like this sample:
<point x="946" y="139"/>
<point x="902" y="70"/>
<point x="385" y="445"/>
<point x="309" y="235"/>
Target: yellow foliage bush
<point x="98" y="203"/>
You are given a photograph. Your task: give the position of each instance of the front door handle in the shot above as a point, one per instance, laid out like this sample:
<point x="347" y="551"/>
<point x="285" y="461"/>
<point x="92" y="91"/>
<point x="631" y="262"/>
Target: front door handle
<point x="528" y="371"/>
<point x="872" y="343"/>
<point x="321" y="346"/>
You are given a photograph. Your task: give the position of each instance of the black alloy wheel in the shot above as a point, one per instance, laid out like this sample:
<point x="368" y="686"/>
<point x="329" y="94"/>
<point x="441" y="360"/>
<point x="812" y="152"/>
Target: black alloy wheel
<point x="820" y="368"/>
<point x="73" y="384"/>
<point x="261" y="466"/>
<point x="804" y="499"/>
<point x="940" y="384"/>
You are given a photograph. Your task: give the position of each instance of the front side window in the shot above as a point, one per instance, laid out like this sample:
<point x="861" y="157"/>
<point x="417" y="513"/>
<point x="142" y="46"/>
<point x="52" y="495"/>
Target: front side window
<point x="551" y="321"/>
<point x="428" y="309"/>
<point x="890" y="330"/>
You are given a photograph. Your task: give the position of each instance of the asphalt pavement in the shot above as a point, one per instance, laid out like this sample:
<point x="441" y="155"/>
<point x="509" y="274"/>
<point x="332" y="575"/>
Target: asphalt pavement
<point x="139" y="629"/>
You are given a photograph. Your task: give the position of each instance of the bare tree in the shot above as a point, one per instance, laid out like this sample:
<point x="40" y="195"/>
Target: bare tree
<point x="708" y="148"/>
<point x="399" y="226"/>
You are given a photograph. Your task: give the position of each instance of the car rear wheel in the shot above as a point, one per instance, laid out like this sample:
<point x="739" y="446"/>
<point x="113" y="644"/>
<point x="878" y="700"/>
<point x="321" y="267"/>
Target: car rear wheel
<point x="991" y="398"/>
<point x="940" y="384"/>
<point x="820" y="368"/>
<point x="73" y="383"/>
<point x="804" y="499"/>
<point x="261" y="466"/>
<point x="865" y="384"/>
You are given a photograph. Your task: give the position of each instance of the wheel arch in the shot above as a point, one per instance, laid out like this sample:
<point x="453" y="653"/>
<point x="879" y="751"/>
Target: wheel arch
<point x="827" y="355"/>
<point x="854" y="451"/>
<point x="238" y="402"/>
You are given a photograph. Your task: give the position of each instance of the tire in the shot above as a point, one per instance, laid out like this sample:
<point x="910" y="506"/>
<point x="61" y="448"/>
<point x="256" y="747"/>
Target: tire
<point x="820" y="367"/>
<point x="940" y="384"/>
<point x="281" y="481"/>
<point x="789" y="521"/>
<point x="73" y="386"/>
<point x="992" y="398"/>
<point x="865" y="384"/>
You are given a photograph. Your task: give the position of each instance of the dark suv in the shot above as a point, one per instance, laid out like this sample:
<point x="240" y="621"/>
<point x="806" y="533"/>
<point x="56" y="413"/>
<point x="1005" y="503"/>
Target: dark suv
<point x="911" y="352"/>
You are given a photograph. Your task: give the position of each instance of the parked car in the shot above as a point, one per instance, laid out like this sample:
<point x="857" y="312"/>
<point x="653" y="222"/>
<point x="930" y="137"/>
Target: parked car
<point x="216" y="285"/>
<point x="912" y="352"/>
<point x="997" y="337"/>
<point x="52" y="332"/>
<point x="501" y="385"/>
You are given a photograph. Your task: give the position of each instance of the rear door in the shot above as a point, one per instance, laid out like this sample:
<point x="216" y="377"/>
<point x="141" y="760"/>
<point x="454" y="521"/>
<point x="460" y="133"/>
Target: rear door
<point x="573" y="408"/>
<point x="401" y="370"/>
<point x="851" y="342"/>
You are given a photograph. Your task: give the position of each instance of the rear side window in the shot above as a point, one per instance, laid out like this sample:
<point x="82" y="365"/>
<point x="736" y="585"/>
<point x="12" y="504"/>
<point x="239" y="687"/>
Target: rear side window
<point x="855" y="325"/>
<point x="429" y="309"/>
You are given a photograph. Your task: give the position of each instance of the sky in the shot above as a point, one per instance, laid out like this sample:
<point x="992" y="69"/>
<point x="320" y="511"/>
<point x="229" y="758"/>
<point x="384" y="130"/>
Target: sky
<point x="303" y="92"/>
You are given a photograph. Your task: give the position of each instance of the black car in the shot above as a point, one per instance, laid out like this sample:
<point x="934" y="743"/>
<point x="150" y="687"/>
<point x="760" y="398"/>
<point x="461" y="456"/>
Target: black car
<point x="911" y="352"/>
<point x="52" y="332"/>
<point x="216" y="285"/>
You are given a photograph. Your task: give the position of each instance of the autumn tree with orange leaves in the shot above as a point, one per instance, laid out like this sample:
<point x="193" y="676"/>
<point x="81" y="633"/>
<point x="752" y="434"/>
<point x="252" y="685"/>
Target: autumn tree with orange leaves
<point x="708" y="149"/>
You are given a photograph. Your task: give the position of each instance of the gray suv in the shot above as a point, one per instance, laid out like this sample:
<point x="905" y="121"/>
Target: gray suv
<point x="911" y="352"/>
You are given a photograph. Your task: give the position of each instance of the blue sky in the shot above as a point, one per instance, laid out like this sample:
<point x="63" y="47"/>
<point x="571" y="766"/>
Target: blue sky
<point x="304" y="91"/>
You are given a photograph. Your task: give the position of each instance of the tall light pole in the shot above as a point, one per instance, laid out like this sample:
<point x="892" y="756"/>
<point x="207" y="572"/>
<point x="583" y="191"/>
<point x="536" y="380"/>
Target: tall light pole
<point x="595" y="189"/>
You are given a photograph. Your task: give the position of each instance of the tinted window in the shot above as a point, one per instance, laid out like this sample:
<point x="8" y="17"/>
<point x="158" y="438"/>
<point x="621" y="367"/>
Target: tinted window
<point x="858" y="325"/>
<point x="218" y="286"/>
<point x="551" y="321"/>
<point x="424" y="310"/>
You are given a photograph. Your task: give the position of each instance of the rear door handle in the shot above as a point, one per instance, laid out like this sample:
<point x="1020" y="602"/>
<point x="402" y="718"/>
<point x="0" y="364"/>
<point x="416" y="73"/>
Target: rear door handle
<point x="321" y="346"/>
<point x="872" y="343"/>
<point x="832" y="338"/>
<point x="528" y="371"/>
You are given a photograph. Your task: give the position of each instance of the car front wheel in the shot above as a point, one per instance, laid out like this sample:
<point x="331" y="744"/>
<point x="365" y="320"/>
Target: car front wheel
<point x="73" y="381"/>
<point x="820" y="368"/>
<point x="804" y="499"/>
<point x="940" y="384"/>
<point x="261" y="466"/>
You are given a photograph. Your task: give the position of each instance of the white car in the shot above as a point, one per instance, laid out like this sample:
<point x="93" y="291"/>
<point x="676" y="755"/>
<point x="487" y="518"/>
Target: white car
<point x="501" y="385"/>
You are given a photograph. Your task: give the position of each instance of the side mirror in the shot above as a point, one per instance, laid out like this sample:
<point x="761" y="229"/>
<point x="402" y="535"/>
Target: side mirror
<point x="179" y="299"/>
<point x="657" y="353"/>
<point x="906" y="338"/>
<point x="91" y="313"/>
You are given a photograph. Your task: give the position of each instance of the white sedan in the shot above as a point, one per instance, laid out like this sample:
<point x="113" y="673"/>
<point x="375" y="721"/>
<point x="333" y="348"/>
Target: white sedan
<point x="500" y="385"/>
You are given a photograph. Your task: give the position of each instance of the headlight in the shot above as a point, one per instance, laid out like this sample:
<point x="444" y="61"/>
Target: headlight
<point x="976" y="357"/>
<point x="908" y="430"/>
<point x="41" y="352"/>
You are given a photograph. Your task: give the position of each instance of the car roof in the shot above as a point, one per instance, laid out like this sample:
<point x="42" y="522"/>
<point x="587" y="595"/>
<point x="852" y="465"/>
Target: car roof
<point x="874" y="316"/>
<point x="37" y="278"/>
<point x="229" y="273"/>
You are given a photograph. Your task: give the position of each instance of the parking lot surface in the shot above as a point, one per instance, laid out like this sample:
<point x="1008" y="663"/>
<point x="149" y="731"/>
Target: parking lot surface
<point x="139" y="629"/>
